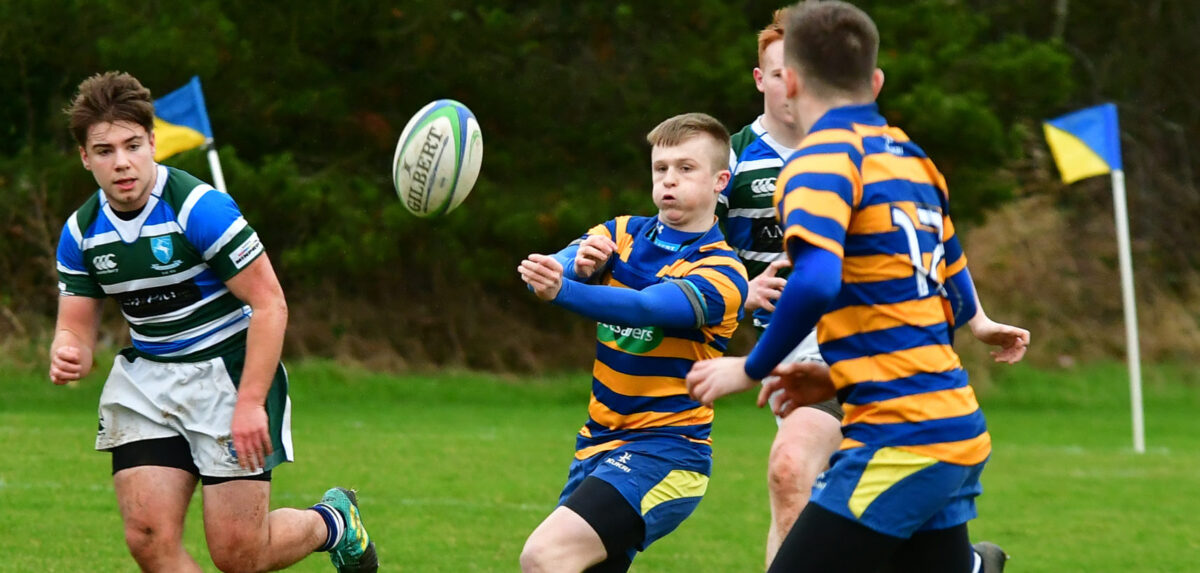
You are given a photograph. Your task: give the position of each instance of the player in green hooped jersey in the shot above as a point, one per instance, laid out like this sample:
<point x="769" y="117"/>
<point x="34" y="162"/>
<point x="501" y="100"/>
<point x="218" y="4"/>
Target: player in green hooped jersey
<point x="807" y="436"/>
<point x="201" y="396"/>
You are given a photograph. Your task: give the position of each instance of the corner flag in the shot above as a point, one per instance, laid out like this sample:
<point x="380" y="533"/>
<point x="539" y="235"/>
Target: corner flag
<point x="1087" y="143"/>
<point x="181" y="123"/>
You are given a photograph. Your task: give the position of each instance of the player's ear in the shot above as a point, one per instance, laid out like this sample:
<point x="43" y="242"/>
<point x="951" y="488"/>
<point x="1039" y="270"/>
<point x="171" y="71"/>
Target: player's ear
<point x="722" y="180"/>
<point x="83" y="157"/>
<point x="150" y="139"/>
<point x="876" y="82"/>
<point x="758" y="78"/>
<point x="792" y="80"/>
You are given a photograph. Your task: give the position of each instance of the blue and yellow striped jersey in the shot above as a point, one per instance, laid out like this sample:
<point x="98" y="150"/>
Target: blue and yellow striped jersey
<point x="862" y="190"/>
<point x="638" y="377"/>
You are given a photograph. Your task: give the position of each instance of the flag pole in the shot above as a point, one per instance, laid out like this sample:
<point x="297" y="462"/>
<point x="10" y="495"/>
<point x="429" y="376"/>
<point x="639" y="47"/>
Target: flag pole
<point x="214" y="164"/>
<point x="1130" y="304"/>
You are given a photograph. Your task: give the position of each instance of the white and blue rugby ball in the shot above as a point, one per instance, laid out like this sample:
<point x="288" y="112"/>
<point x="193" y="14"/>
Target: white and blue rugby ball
<point x="437" y="158"/>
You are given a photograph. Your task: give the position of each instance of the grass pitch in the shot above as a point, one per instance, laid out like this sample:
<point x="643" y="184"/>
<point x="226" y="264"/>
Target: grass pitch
<point x="455" y="470"/>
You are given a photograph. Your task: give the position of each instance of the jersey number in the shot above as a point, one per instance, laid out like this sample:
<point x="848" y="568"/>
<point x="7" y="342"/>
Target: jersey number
<point x="929" y="218"/>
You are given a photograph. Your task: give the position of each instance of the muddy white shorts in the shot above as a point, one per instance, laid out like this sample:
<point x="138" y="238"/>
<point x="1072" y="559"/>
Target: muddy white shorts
<point x="144" y="399"/>
<point x="806" y="351"/>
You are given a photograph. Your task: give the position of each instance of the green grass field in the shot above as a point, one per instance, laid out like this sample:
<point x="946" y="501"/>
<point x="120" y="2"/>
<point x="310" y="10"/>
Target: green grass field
<point x="454" y="471"/>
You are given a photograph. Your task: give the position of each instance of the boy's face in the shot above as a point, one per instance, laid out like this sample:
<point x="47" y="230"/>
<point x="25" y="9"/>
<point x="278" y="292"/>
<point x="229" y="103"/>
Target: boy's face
<point x="687" y="181"/>
<point x="120" y="156"/>
<point x="769" y="79"/>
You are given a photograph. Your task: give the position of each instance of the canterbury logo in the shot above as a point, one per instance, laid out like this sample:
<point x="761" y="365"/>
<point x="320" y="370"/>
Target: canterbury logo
<point x="104" y="262"/>
<point x="765" y="186"/>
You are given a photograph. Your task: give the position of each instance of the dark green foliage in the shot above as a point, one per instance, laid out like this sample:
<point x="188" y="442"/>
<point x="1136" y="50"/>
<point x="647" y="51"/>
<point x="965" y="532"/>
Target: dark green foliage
<point x="313" y="94"/>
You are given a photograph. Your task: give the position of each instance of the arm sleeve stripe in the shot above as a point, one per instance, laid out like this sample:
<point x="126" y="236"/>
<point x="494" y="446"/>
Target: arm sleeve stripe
<point x="73" y="226"/>
<point x="225" y="237"/>
<point x="693" y="295"/>
<point x="827" y="204"/>
<point x="797" y="232"/>
<point x="194" y="196"/>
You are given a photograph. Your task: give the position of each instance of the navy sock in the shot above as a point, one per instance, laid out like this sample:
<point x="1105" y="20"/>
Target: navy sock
<point x="334" y="523"/>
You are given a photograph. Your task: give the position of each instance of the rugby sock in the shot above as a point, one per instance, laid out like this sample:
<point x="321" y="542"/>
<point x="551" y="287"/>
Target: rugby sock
<point x="977" y="567"/>
<point x="334" y="523"/>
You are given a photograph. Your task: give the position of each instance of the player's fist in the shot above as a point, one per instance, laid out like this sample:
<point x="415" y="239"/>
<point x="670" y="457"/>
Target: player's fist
<point x="766" y="288"/>
<point x="593" y="254"/>
<point x="68" y="363"/>
<point x="543" y="274"/>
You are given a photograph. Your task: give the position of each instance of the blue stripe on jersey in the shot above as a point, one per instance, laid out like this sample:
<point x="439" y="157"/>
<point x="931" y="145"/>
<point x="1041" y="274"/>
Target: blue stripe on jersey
<point x="165" y="348"/>
<point x="757" y="150"/>
<point x="882" y="292"/>
<point x="919" y="433"/>
<point x="901" y="190"/>
<point x="890" y="243"/>
<point x="832" y="147"/>
<point x="823" y="226"/>
<point x="884" y="341"/>
<point x="68" y="250"/>
<point x="638" y="365"/>
<point x="868" y="392"/>
<point x="210" y="218"/>
<point x="881" y="144"/>
<point x="626" y="405"/>
<point x="824" y="182"/>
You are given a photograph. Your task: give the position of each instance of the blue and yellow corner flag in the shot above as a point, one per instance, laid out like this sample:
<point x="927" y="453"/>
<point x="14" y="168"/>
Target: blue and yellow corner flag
<point x="1085" y="143"/>
<point x="181" y="121"/>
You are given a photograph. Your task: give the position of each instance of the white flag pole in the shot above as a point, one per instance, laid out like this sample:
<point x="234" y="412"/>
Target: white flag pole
<point x="214" y="164"/>
<point x="1131" y="323"/>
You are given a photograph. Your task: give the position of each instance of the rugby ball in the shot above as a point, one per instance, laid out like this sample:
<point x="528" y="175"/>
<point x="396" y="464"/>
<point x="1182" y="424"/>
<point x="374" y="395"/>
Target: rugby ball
<point x="437" y="158"/>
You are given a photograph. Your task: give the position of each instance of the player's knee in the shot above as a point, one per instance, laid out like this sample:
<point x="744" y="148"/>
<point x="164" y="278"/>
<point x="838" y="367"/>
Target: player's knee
<point x="537" y="555"/>
<point x="787" y="468"/>
<point x="151" y="542"/>
<point x="233" y="555"/>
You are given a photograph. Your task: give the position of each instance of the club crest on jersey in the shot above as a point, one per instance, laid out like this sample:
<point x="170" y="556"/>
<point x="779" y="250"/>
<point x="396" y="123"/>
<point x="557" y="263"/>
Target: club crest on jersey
<point x="163" y="248"/>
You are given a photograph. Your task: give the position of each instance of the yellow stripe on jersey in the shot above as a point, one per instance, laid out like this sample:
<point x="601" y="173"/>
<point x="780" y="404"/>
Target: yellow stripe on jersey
<point x="797" y="232"/>
<point x="672" y="347"/>
<point x="951" y="403"/>
<point x="853" y="320"/>
<point x="878" y="219"/>
<point x="898" y="364"/>
<point x="632" y="385"/>
<point x="954" y="268"/>
<point x="874" y="268"/>
<point x="964" y="452"/>
<point x="677" y="485"/>
<point x="613" y="420"/>
<point x="838" y="164"/>
<point x="833" y="136"/>
<point x="588" y="452"/>
<point x="879" y="167"/>
<point x="887" y="467"/>
<point x="681" y="268"/>
<point x="820" y="203"/>
<point x="895" y="133"/>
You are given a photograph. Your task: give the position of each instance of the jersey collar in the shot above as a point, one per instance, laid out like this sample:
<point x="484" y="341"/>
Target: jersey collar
<point x="844" y="117"/>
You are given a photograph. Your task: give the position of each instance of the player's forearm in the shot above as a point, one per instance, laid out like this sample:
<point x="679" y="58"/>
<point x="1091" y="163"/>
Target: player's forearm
<point x="566" y="258"/>
<point x="264" y="346"/>
<point x="813" y="286"/>
<point x="659" y="305"/>
<point x="964" y="301"/>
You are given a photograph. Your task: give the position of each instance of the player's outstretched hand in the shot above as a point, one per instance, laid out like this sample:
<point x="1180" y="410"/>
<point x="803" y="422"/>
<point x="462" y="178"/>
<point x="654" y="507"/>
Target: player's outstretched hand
<point x="593" y="252"/>
<point x="717" y="377"/>
<point x="68" y="363"/>
<point x="1013" y="341"/>
<point x="799" y="384"/>
<point x="543" y="274"/>
<point x="766" y="288"/>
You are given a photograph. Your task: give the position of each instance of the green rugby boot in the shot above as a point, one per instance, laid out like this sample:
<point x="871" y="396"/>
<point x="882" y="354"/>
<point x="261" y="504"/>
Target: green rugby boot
<point x="355" y="553"/>
<point x="993" y="557"/>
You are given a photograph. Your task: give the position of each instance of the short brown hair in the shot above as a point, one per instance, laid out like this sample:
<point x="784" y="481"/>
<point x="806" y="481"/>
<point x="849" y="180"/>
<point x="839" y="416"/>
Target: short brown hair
<point x="681" y="128"/>
<point x="772" y="33"/>
<point x="109" y="97"/>
<point x="833" y="45"/>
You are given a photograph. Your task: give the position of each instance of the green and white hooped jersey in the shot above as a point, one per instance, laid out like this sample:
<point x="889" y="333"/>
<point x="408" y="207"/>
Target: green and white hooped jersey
<point x="746" y="205"/>
<point x="166" y="268"/>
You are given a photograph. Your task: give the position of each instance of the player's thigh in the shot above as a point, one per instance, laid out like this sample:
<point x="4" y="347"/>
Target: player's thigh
<point x="565" y="538"/>
<point x="236" y="510"/>
<point x="153" y="500"/>
<point x="940" y="551"/>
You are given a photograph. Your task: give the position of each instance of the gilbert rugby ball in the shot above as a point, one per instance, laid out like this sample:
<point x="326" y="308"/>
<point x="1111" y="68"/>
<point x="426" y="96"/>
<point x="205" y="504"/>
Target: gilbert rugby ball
<point x="437" y="158"/>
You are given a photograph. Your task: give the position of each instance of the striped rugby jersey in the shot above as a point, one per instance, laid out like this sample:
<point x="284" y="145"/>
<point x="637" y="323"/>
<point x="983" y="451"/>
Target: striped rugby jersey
<point x="638" y="377"/>
<point x="747" y="202"/>
<point x="862" y="190"/>
<point x="166" y="267"/>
